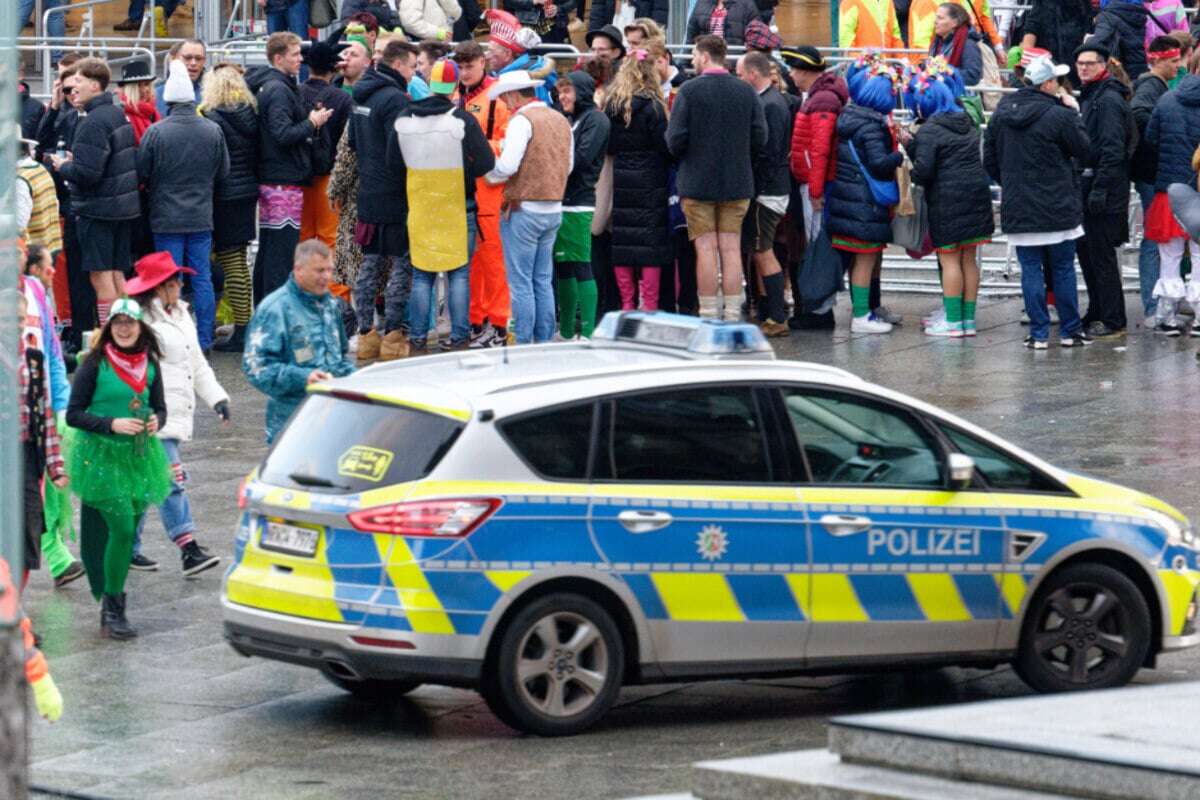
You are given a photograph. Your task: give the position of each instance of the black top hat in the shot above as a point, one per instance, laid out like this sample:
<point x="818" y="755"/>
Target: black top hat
<point x="136" y="71"/>
<point x="804" y="57"/>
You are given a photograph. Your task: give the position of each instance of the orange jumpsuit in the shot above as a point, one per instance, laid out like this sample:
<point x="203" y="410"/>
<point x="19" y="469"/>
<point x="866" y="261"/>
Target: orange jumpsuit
<point x="489" y="284"/>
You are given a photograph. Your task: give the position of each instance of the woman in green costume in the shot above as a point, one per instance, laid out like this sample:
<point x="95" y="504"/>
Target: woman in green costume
<point x="116" y="463"/>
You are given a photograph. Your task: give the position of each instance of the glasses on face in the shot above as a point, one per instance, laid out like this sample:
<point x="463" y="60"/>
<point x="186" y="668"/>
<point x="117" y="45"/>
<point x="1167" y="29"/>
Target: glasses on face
<point x="1088" y="63"/>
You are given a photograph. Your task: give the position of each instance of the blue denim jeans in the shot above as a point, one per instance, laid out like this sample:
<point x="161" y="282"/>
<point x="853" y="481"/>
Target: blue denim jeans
<point x="194" y="250"/>
<point x="57" y="26"/>
<point x="137" y="8"/>
<point x="528" y="240"/>
<point x="294" y="18"/>
<point x="421" y="307"/>
<point x="1147" y="256"/>
<point x="1066" y="292"/>
<point x="176" y="511"/>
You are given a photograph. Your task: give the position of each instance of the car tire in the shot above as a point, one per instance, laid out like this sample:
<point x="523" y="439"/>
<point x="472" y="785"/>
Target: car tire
<point x="558" y="667"/>
<point x="373" y="690"/>
<point x="1088" y="627"/>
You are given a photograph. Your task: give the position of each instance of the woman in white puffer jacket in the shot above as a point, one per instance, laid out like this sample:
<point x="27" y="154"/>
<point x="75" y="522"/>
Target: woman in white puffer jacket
<point x="185" y="374"/>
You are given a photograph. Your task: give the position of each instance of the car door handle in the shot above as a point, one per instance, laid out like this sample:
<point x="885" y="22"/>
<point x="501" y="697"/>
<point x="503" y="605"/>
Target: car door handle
<point x="845" y="524"/>
<point x="644" y="521"/>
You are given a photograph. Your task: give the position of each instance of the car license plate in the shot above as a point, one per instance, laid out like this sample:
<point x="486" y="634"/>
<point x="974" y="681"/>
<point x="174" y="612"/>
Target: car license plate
<point x="290" y="539"/>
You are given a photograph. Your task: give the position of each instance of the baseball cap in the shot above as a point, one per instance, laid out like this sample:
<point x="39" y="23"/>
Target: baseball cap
<point x="443" y="79"/>
<point x="125" y="307"/>
<point x="1043" y="69"/>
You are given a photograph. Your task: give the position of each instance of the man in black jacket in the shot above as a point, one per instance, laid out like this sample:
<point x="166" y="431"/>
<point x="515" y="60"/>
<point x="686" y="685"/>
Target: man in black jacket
<point x="607" y="12"/>
<point x="772" y="188"/>
<point x="379" y="98"/>
<point x="1029" y="148"/>
<point x="717" y="131"/>
<point x="319" y="220"/>
<point x="180" y="161"/>
<point x="32" y="109"/>
<point x="1105" y="184"/>
<point x="102" y="173"/>
<point x="1164" y="58"/>
<point x="286" y="131"/>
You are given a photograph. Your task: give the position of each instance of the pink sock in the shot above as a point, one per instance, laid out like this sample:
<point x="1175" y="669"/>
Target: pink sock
<point x="102" y="307"/>
<point x="625" y="286"/>
<point x="648" y="287"/>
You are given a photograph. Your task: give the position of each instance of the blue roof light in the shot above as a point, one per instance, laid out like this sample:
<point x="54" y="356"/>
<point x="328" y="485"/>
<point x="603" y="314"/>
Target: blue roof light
<point x="676" y="331"/>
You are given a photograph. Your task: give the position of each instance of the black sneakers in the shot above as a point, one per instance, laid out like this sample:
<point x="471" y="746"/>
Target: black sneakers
<point x="143" y="563"/>
<point x="196" y="559"/>
<point x="1035" y="344"/>
<point x="1080" y="339"/>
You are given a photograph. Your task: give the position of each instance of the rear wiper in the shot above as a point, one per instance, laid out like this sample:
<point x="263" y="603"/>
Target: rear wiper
<point x="314" y="480"/>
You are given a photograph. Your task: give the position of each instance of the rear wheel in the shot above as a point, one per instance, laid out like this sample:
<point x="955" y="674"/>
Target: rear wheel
<point x="558" y="667"/>
<point x="1087" y="628"/>
<point x="373" y="690"/>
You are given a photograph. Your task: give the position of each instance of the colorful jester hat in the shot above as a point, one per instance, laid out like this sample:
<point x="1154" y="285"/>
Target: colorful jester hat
<point x="934" y="90"/>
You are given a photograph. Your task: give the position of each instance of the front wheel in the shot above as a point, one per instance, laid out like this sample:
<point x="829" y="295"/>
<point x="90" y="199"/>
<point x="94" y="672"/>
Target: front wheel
<point x="373" y="690"/>
<point x="558" y="667"/>
<point x="1087" y="628"/>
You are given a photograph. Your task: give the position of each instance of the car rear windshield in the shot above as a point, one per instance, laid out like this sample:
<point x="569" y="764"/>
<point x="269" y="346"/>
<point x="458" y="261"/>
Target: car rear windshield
<point x="335" y="445"/>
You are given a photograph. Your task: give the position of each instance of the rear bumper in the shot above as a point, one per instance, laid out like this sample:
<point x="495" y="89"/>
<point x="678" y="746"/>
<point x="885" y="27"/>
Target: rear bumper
<point x="327" y="646"/>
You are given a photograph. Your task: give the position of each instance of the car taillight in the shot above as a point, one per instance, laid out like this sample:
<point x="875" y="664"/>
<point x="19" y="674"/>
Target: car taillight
<point x="450" y="519"/>
<point x="242" y="499"/>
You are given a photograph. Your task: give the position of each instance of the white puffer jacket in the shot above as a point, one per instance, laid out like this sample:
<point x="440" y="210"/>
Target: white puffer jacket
<point x="185" y="371"/>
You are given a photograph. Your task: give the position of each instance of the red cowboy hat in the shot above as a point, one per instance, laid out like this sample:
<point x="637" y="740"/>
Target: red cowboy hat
<point x="153" y="270"/>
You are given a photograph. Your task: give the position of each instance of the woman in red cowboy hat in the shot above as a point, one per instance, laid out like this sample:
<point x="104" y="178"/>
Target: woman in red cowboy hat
<point x="185" y="374"/>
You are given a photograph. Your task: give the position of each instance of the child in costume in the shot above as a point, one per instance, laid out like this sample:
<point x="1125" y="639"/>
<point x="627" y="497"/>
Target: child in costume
<point x="46" y="696"/>
<point x="117" y="464"/>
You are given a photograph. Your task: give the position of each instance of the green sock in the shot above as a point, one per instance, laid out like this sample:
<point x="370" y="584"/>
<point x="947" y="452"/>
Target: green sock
<point x="588" y="298"/>
<point x="953" y="306"/>
<point x="969" y="310"/>
<point x="860" y="298"/>
<point x="567" y="297"/>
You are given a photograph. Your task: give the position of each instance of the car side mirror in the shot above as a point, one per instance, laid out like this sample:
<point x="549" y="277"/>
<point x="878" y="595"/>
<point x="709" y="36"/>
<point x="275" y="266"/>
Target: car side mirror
<point x="961" y="469"/>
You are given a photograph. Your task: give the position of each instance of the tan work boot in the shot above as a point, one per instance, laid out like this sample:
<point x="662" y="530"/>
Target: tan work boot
<point x="395" y="345"/>
<point x="773" y="330"/>
<point x="369" y="345"/>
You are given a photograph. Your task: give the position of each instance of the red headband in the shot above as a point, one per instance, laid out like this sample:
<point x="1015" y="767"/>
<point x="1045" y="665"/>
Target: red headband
<point x="1163" y="55"/>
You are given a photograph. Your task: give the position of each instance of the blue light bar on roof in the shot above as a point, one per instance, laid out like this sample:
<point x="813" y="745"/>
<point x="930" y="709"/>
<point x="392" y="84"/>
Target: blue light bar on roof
<point x="679" y="332"/>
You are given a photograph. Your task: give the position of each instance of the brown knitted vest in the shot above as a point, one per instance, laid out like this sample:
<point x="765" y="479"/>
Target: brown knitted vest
<point x="43" y="224"/>
<point x="544" y="169"/>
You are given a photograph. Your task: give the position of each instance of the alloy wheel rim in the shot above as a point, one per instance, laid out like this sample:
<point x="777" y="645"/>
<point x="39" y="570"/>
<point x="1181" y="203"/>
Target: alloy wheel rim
<point x="1083" y="633"/>
<point x="562" y="664"/>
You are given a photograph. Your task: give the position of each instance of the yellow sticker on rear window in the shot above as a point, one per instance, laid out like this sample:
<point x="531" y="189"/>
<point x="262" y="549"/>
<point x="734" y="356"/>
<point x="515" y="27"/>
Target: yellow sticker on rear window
<point x="365" y="463"/>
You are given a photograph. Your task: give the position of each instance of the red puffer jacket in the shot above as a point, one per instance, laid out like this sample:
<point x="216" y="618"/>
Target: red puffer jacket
<point x="814" y="133"/>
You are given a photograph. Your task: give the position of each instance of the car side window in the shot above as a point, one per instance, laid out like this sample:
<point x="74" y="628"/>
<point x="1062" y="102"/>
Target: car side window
<point x="1001" y="470"/>
<point x="694" y="435"/>
<point x="847" y="439"/>
<point x="555" y="443"/>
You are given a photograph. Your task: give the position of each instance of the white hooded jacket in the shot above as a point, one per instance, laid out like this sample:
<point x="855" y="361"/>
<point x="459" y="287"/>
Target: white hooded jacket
<point x="185" y="371"/>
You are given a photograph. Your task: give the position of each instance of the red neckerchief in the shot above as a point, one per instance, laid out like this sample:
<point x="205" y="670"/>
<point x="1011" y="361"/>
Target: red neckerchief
<point x="130" y="367"/>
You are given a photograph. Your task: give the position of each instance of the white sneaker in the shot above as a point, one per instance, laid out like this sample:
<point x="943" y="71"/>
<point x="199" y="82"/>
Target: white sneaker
<point x="948" y="330"/>
<point x="933" y="318"/>
<point x="885" y="314"/>
<point x="869" y="324"/>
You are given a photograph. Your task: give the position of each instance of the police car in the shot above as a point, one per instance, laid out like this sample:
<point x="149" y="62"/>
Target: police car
<point x="668" y="502"/>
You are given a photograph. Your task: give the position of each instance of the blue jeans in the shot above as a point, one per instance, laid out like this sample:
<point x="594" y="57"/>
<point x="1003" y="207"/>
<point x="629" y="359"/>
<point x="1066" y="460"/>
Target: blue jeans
<point x="1147" y="255"/>
<point x="137" y="8"/>
<point x="294" y="18"/>
<point x="175" y="512"/>
<point x="194" y="250"/>
<point x="528" y="240"/>
<point x="1066" y="293"/>
<point x="57" y="26"/>
<point x="458" y="300"/>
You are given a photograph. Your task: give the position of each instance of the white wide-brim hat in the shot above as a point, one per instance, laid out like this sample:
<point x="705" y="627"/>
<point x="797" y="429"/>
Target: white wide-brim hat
<point x="513" y="81"/>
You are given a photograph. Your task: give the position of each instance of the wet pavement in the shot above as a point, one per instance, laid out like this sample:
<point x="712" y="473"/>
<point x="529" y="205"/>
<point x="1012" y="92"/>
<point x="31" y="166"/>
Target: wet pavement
<point x="176" y="713"/>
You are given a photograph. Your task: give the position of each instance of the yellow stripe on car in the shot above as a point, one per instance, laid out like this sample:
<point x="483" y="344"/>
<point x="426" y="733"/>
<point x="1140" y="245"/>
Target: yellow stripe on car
<point x="697" y="597"/>
<point x="1180" y="586"/>
<point x="304" y="591"/>
<point x="1012" y="589"/>
<point x="938" y="597"/>
<point x="505" y="579"/>
<point x="421" y="603"/>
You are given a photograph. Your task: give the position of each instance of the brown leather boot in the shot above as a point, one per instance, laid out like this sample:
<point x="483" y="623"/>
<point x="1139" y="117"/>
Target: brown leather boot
<point x="395" y="345"/>
<point x="368" y="345"/>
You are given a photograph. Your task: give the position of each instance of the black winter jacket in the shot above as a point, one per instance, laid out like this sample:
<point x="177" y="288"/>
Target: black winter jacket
<point x="1147" y="91"/>
<point x="58" y="125"/>
<point x="180" y="161"/>
<point x="1028" y="149"/>
<point x="772" y="177"/>
<point x="640" y="162"/>
<point x="530" y="15"/>
<point x="240" y="127"/>
<point x="478" y="157"/>
<point x="739" y="14"/>
<point x="103" y="168"/>
<point x="322" y="94"/>
<point x="381" y="10"/>
<point x="32" y="111"/>
<point x="590" y="128"/>
<point x="852" y="209"/>
<point x="1121" y="27"/>
<point x="1112" y="134"/>
<point x="1174" y="131"/>
<point x="945" y="160"/>
<point x="717" y="131"/>
<point x="1059" y="26"/>
<point x="285" y="136"/>
<point x="603" y="11"/>
<point x="378" y="99"/>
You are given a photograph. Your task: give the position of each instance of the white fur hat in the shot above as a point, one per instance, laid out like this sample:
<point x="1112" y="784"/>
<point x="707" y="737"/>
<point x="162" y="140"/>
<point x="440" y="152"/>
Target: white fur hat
<point x="179" y="87"/>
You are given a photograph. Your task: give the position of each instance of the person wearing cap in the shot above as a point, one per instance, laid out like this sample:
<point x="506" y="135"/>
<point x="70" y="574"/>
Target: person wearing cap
<point x="607" y="44"/>
<point x="1163" y="56"/>
<point x="318" y="219"/>
<point x="443" y="152"/>
<point x="185" y="374"/>
<point x="508" y="51"/>
<point x="136" y="94"/>
<point x="1174" y="133"/>
<point x="814" y="131"/>
<point x="727" y="19"/>
<point x="181" y="161"/>
<point x="117" y="464"/>
<point x="1030" y="146"/>
<point x="535" y="160"/>
<point x="489" y="284"/>
<point x="429" y="19"/>
<point x="193" y="53"/>
<point x="1112" y="132"/>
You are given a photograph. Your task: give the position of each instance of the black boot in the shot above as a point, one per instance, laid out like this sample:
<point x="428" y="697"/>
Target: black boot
<point x="112" y="618"/>
<point x="235" y="343"/>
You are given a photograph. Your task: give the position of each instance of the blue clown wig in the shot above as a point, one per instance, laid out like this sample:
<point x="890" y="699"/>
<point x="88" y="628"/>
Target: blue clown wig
<point x="874" y="91"/>
<point x="928" y="94"/>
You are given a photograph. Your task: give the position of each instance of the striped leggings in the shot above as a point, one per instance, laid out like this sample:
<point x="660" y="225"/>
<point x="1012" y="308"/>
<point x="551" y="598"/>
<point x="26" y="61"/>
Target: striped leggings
<point x="237" y="283"/>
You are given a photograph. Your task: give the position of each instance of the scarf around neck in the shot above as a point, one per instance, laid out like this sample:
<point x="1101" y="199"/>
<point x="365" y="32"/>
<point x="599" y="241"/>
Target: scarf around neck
<point x="130" y="367"/>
